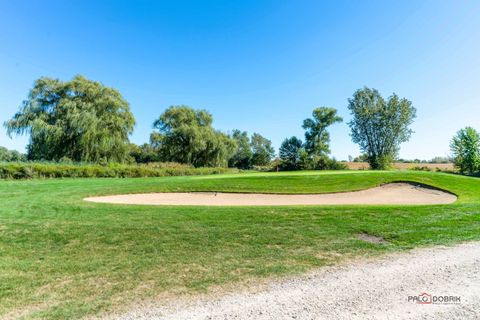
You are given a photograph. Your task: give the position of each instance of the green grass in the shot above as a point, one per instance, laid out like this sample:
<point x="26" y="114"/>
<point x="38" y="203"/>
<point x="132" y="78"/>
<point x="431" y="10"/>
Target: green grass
<point x="63" y="258"/>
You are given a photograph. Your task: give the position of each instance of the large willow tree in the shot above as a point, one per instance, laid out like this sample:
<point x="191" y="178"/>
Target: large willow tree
<point x="79" y="119"/>
<point x="186" y="135"/>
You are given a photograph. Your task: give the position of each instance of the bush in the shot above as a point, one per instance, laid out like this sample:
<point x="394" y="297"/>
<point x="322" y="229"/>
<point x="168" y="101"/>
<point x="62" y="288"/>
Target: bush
<point x="325" y="163"/>
<point x="11" y="155"/>
<point x="315" y="163"/>
<point x="30" y="170"/>
<point x="422" y="168"/>
<point x="333" y="164"/>
<point x="465" y="147"/>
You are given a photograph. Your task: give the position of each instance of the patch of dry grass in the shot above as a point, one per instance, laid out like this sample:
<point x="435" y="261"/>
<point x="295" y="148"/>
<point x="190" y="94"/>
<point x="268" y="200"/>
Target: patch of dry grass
<point x="404" y="166"/>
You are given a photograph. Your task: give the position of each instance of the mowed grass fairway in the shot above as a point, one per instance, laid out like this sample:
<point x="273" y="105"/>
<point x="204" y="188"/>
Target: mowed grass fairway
<point x="62" y="257"/>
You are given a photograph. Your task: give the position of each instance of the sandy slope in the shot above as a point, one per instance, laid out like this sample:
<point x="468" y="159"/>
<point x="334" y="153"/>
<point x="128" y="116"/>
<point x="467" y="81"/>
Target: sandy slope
<point x="377" y="289"/>
<point x="393" y="193"/>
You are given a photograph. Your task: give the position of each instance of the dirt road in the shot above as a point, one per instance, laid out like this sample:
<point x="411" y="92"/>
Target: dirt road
<point x="373" y="289"/>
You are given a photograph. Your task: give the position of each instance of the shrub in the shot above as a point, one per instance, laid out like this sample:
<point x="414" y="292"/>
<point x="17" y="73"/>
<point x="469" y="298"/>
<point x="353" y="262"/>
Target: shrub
<point x="30" y="170"/>
<point x="422" y="168"/>
<point x="333" y="164"/>
<point x="465" y="147"/>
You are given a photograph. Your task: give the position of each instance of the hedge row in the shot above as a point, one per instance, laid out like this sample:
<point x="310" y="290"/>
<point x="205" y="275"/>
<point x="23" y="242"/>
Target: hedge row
<point x="31" y="170"/>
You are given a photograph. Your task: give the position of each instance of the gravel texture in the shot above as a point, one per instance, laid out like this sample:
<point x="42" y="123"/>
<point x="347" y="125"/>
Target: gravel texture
<point x="367" y="289"/>
<point x="392" y="193"/>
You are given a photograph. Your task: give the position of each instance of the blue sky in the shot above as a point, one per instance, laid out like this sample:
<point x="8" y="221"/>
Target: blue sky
<point x="260" y="66"/>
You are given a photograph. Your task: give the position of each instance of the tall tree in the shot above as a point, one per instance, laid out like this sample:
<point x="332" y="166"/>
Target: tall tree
<point x="262" y="149"/>
<point x="291" y="152"/>
<point x="242" y="158"/>
<point x="186" y="135"/>
<point x="317" y="138"/>
<point x="79" y="119"/>
<point x="465" y="147"/>
<point x="379" y="126"/>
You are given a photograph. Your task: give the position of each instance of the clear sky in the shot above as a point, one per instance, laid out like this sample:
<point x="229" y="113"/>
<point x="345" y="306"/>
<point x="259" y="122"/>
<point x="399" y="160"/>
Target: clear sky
<point x="256" y="65"/>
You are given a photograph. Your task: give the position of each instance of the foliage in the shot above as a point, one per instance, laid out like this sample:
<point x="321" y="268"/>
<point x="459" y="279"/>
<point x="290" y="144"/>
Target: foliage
<point x="313" y="154"/>
<point x="242" y="158"/>
<point x="361" y="158"/>
<point x="254" y="152"/>
<point x="274" y="166"/>
<point x="290" y="152"/>
<point x="317" y="138"/>
<point x="434" y="160"/>
<point x="262" y="150"/>
<point x="293" y="156"/>
<point x="145" y="153"/>
<point x="379" y="126"/>
<point x="465" y="147"/>
<point x="19" y="170"/>
<point x="440" y="160"/>
<point x="334" y="164"/>
<point x="325" y="163"/>
<point x="421" y="168"/>
<point x="79" y="119"/>
<point x="10" y="155"/>
<point x="186" y="135"/>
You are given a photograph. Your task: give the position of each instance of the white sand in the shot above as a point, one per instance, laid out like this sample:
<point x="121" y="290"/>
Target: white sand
<point x="392" y="193"/>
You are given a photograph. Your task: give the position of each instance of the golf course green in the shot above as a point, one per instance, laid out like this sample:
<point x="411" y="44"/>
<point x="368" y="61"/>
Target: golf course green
<point x="62" y="257"/>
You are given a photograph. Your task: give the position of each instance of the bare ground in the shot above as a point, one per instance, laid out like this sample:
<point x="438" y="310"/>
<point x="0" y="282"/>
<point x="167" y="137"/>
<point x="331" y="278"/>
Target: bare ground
<point x="369" y="289"/>
<point x="392" y="193"/>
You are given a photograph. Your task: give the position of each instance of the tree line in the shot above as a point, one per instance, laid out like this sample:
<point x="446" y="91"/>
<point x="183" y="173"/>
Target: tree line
<point x="84" y="121"/>
<point x="185" y="135"/>
<point x="11" y="155"/>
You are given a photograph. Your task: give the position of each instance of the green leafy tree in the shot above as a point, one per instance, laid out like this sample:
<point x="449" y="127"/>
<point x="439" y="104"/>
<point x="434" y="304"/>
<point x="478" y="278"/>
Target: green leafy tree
<point x="81" y="120"/>
<point x="292" y="154"/>
<point x="186" y="135"/>
<point x="379" y="126"/>
<point x="10" y="155"/>
<point x="242" y="158"/>
<point x="144" y="153"/>
<point x="465" y="147"/>
<point x="361" y="158"/>
<point x="439" y="159"/>
<point x="317" y="138"/>
<point x="262" y="149"/>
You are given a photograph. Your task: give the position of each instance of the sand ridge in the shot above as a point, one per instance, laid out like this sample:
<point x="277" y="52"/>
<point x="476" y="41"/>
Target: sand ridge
<point x="398" y="193"/>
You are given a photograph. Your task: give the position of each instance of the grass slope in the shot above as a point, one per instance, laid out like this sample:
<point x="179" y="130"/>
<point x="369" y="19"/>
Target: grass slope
<point x="61" y="257"/>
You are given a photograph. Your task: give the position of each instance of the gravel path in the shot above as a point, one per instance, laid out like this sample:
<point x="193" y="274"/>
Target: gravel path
<point x="372" y="289"/>
<point x="391" y="193"/>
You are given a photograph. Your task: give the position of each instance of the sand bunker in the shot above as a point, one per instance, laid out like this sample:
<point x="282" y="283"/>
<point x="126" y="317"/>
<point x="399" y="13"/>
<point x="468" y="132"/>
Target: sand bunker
<point x="392" y="193"/>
